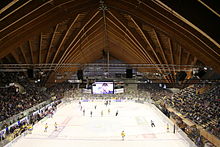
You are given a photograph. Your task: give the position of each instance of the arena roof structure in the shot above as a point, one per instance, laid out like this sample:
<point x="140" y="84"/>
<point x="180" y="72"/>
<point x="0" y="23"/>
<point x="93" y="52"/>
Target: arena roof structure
<point x="68" y="35"/>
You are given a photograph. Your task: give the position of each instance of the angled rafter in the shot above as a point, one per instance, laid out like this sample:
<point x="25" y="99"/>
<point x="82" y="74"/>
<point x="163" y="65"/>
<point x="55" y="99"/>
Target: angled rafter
<point x="187" y="58"/>
<point x="162" y="50"/>
<point x="15" y="10"/>
<point x="146" y="39"/>
<point x="79" y="40"/>
<point x="194" y="61"/>
<point x="134" y="38"/>
<point x="92" y="47"/>
<point x="128" y="45"/>
<point x="40" y="48"/>
<point x="31" y="51"/>
<point x="15" y="57"/>
<point x="189" y="38"/>
<point x="172" y="57"/>
<point x="180" y="55"/>
<point x="186" y="63"/>
<point x="22" y="52"/>
<point x="90" y="16"/>
<point x="160" y="46"/>
<point x="25" y="16"/>
<point x="133" y="46"/>
<point x="150" y="45"/>
<point x="64" y="38"/>
<point x="51" y="42"/>
<point x="82" y="46"/>
<point x="47" y="18"/>
<point x="131" y="35"/>
<point x="8" y="59"/>
<point x="73" y="55"/>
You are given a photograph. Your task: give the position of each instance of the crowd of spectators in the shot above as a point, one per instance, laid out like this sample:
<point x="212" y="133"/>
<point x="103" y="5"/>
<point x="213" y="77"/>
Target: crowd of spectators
<point x="27" y="124"/>
<point x="200" y="106"/>
<point x="199" y="103"/>
<point x="17" y="93"/>
<point x="157" y="91"/>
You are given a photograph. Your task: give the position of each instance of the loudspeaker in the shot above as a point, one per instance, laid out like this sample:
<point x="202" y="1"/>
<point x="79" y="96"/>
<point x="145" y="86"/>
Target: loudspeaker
<point x="180" y="76"/>
<point x="30" y="73"/>
<point x="129" y="73"/>
<point x="80" y="75"/>
<point x="201" y="73"/>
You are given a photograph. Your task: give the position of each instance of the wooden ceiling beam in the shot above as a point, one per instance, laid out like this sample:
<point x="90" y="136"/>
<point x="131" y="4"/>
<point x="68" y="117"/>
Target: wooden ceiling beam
<point x="78" y="48"/>
<point x="97" y="39"/>
<point x="195" y="44"/>
<point x="163" y="54"/>
<point x="146" y="40"/>
<point x="187" y="58"/>
<point x="64" y="38"/>
<point x="46" y="20"/>
<point x="31" y="51"/>
<point x="131" y="46"/>
<point x="180" y="56"/>
<point x="78" y="57"/>
<point x="172" y="57"/>
<point x="51" y="42"/>
<point x="160" y="46"/>
<point x="73" y="48"/>
<point x="22" y="18"/>
<point x="24" y="56"/>
<point x="185" y="28"/>
<point x="130" y="34"/>
<point x="120" y="52"/>
<point x="90" y="16"/>
<point x="128" y="48"/>
<point x="40" y="47"/>
<point x="91" y="49"/>
<point x="124" y="50"/>
<point x="162" y="71"/>
<point x="15" y="55"/>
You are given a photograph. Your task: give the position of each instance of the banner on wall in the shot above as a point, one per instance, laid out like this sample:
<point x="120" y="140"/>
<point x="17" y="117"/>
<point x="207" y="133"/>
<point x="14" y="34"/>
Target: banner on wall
<point x="120" y="90"/>
<point x="89" y="91"/>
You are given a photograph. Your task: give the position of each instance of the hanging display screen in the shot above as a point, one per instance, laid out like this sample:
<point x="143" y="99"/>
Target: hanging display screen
<point x="103" y="88"/>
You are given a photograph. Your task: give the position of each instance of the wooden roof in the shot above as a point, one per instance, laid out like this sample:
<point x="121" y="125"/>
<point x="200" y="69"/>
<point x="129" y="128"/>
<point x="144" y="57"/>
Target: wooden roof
<point x="78" y="31"/>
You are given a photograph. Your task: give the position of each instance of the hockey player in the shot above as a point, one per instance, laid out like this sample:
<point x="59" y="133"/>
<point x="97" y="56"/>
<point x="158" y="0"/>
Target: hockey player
<point x="102" y="113"/>
<point x="55" y="126"/>
<point x="45" y="128"/>
<point x="116" y="114"/>
<point x="152" y="124"/>
<point x="123" y="135"/>
<point x="91" y="113"/>
<point x="108" y="111"/>
<point x="168" y="128"/>
<point x="95" y="106"/>
<point x="84" y="112"/>
<point x="30" y="128"/>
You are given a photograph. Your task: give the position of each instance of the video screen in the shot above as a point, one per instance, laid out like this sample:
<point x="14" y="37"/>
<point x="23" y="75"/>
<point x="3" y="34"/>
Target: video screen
<point x="103" y="88"/>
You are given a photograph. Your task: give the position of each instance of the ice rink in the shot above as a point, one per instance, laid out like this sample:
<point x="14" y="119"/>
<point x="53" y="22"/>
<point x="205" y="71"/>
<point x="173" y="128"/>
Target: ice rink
<point x="76" y="130"/>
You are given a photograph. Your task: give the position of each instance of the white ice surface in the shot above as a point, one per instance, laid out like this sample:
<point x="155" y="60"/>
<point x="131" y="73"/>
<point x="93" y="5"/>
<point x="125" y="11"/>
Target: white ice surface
<point x="76" y="130"/>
